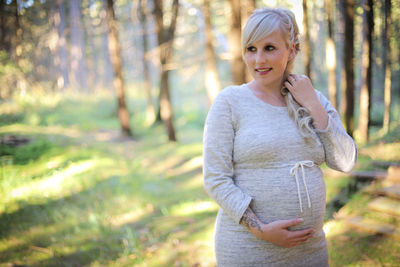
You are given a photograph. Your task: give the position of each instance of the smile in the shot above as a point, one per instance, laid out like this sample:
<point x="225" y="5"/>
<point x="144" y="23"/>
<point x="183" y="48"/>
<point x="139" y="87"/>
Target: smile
<point x="263" y="70"/>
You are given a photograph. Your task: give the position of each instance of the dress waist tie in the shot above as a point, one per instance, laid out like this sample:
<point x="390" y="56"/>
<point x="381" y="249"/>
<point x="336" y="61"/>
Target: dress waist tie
<point x="294" y="172"/>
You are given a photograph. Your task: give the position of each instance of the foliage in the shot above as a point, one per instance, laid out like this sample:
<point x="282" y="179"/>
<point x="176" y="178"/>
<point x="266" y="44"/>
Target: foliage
<point x="89" y="197"/>
<point x="12" y="76"/>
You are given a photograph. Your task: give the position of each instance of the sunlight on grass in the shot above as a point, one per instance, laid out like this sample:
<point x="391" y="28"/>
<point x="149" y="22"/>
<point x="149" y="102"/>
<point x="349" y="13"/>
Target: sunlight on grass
<point x="78" y="195"/>
<point x="131" y="216"/>
<point x="58" y="184"/>
<point x="194" y="182"/>
<point x="191" y="208"/>
<point x="53" y="185"/>
<point x="188" y="166"/>
<point x="48" y="130"/>
<point x="388" y="152"/>
<point x="164" y="165"/>
<point x="334" y="227"/>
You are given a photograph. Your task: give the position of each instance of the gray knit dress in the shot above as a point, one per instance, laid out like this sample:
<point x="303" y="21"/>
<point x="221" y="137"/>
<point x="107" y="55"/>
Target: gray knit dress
<point x="254" y="155"/>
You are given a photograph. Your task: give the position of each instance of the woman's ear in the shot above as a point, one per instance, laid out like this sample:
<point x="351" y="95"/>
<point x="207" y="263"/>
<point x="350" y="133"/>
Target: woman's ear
<point x="292" y="52"/>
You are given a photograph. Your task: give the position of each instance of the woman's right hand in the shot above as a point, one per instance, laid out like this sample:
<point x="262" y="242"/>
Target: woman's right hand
<point x="276" y="232"/>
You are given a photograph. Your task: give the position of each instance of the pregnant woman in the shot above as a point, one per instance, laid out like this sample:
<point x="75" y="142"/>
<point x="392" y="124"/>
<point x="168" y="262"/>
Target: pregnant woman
<point x="263" y="144"/>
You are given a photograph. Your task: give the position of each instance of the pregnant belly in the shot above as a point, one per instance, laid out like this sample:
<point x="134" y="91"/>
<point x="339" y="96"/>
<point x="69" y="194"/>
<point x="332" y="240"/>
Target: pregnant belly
<point x="276" y="196"/>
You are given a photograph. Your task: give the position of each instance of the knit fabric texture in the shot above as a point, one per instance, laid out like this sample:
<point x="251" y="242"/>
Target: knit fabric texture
<point x="255" y="155"/>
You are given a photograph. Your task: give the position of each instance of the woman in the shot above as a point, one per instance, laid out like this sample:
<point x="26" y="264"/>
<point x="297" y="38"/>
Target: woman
<point x="263" y="144"/>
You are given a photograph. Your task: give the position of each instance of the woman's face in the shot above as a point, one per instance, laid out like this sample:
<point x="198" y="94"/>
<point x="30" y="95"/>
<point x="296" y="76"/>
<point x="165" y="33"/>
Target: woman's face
<point x="267" y="59"/>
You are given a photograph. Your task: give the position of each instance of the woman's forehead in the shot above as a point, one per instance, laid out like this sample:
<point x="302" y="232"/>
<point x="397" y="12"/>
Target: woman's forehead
<point x="275" y="36"/>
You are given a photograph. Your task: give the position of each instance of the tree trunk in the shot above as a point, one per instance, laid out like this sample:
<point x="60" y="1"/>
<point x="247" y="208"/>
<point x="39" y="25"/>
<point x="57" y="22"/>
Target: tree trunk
<point x="212" y="83"/>
<point x="387" y="66"/>
<point x="18" y="34"/>
<point x="2" y="25"/>
<point x="248" y="6"/>
<point x="115" y="55"/>
<point x="54" y="20"/>
<point x="366" y="87"/>
<point x="63" y="80"/>
<point x="93" y="60"/>
<point x="165" y="38"/>
<point x="5" y="25"/>
<point x="341" y="82"/>
<point x="58" y="47"/>
<point x="348" y="60"/>
<point x="78" y="61"/>
<point x="306" y="41"/>
<point x="150" y="111"/>
<point x="106" y="73"/>
<point x="331" y="56"/>
<point x="238" y="66"/>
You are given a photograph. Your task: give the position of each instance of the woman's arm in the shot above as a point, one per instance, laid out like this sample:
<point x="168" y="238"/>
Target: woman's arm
<point x="340" y="148"/>
<point x="217" y="156"/>
<point x="275" y="232"/>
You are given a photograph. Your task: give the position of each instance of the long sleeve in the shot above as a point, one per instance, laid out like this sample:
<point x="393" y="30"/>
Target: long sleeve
<point x="340" y="148"/>
<point x="217" y="155"/>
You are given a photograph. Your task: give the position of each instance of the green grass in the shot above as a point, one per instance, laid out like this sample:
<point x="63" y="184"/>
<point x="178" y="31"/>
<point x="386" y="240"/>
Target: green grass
<point x="70" y="198"/>
<point x="79" y="195"/>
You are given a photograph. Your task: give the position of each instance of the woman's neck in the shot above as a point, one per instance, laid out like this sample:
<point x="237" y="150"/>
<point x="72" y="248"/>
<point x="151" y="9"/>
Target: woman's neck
<point x="272" y="90"/>
<point x="270" y="94"/>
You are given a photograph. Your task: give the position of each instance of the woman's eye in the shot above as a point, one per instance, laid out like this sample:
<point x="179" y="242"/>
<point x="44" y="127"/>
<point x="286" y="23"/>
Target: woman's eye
<point x="269" y="48"/>
<point x="251" y="49"/>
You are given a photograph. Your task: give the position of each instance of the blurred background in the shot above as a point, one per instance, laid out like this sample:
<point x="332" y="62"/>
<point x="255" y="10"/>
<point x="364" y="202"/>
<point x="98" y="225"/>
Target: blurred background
<point x="102" y="108"/>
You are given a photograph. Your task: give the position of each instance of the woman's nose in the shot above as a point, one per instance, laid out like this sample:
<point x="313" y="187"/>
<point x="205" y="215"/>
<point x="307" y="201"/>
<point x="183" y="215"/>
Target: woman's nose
<point x="260" y="57"/>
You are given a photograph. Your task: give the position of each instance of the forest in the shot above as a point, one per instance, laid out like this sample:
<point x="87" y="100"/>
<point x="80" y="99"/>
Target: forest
<point x="102" y="110"/>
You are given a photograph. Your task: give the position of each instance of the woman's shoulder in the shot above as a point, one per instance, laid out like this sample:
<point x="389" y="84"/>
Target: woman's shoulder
<point x="231" y="92"/>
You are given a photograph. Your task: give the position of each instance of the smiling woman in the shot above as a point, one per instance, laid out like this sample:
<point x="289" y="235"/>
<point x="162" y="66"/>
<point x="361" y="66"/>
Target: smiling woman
<point x="263" y="144"/>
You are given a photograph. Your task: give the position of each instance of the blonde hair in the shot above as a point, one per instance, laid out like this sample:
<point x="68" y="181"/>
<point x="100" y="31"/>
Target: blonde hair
<point x="262" y="23"/>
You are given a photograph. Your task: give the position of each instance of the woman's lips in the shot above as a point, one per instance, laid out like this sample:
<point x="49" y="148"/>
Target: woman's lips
<point x="263" y="71"/>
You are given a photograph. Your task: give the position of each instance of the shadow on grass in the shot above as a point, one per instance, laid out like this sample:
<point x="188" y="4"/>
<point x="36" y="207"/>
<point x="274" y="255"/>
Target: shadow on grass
<point x="356" y="248"/>
<point x="64" y="225"/>
<point x="345" y="194"/>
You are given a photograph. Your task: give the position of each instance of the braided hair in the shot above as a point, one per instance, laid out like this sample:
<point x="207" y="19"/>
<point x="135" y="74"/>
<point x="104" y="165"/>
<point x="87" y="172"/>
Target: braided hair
<point x="262" y="23"/>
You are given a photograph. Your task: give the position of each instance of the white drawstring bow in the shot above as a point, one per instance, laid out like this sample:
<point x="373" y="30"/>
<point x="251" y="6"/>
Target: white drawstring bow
<point x="293" y="172"/>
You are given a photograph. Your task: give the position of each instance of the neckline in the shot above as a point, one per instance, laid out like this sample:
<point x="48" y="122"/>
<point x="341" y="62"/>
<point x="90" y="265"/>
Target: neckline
<point x="247" y="88"/>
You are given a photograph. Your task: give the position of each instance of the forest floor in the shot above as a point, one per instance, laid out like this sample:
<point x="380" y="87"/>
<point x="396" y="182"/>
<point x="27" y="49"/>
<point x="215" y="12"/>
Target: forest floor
<point x="74" y="193"/>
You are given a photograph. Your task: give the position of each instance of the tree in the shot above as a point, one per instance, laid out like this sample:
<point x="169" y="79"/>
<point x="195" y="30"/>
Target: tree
<point x="62" y="44"/>
<point x="5" y="38"/>
<point x="150" y="111"/>
<point x="59" y="44"/>
<point x="78" y="73"/>
<point x="18" y="32"/>
<point x="115" y="54"/>
<point x="387" y="65"/>
<point x="306" y="41"/>
<point x="348" y="60"/>
<point x="238" y="66"/>
<point x="248" y="6"/>
<point x="331" y="55"/>
<point x="165" y="37"/>
<point x="212" y="83"/>
<point x="366" y="87"/>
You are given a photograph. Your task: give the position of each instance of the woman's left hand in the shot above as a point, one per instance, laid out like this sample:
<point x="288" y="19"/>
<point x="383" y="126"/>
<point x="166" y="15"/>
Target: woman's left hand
<point x="302" y="90"/>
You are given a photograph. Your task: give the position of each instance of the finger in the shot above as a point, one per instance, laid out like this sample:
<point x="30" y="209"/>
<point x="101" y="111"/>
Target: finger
<point x="292" y="222"/>
<point x="301" y="233"/>
<point x="302" y="239"/>
<point x="291" y="79"/>
<point x="295" y="76"/>
<point x="288" y="85"/>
